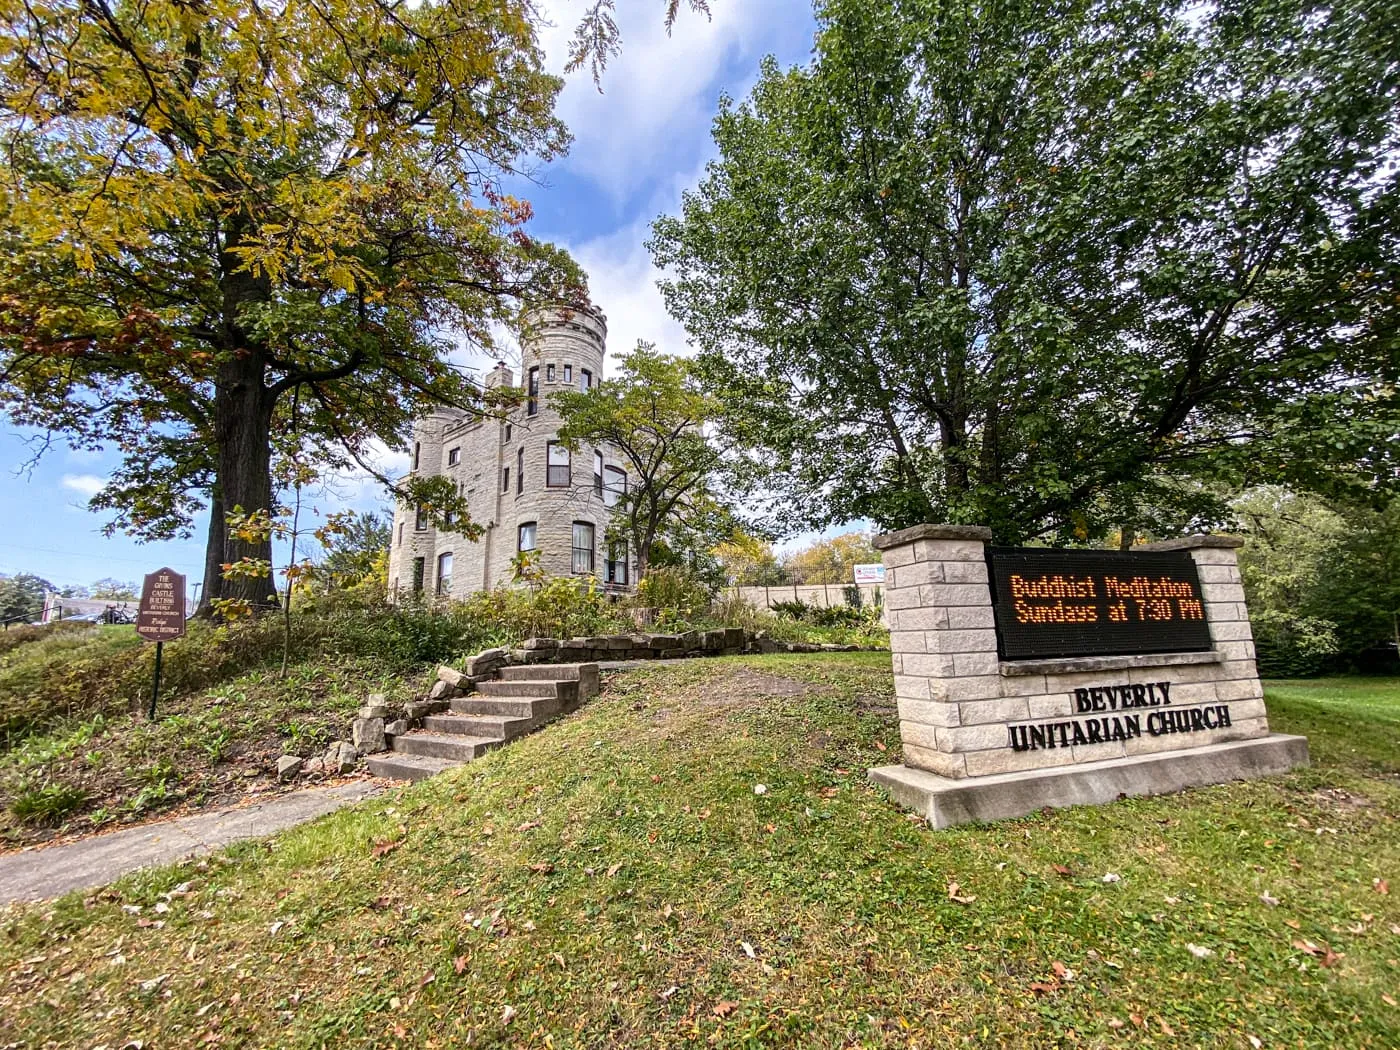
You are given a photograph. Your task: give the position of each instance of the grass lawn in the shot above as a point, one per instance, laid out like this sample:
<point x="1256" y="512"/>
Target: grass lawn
<point x="618" y="880"/>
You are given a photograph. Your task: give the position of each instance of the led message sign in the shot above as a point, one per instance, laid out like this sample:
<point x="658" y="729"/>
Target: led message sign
<point x="1095" y="603"/>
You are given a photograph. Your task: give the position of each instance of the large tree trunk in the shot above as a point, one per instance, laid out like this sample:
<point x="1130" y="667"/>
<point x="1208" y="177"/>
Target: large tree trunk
<point x="243" y="433"/>
<point x="214" y="555"/>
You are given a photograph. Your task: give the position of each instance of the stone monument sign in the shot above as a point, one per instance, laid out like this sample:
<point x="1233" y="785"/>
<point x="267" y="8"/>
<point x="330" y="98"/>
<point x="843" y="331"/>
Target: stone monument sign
<point x="1029" y="677"/>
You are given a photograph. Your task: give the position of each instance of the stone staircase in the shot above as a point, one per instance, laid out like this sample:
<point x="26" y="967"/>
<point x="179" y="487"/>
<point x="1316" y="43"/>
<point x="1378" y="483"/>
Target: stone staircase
<point x="497" y="711"/>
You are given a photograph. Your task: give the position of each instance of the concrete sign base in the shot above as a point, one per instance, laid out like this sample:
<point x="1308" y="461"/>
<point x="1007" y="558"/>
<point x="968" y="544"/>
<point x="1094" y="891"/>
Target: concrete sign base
<point x="1000" y="796"/>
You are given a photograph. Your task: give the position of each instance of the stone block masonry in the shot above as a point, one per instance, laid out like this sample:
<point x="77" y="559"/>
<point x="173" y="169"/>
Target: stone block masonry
<point x="965" y="712"/>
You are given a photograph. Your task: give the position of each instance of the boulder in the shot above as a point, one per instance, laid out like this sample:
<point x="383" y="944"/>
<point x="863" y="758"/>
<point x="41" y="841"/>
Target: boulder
<point x="398" y="727"/>
<point x="376" y="711"/>
<point x="368" y="735"/>
<point x="663" y="641"/>
<point x="288" y="766"/>
<point x="618" y="642"/>
<point x="313" y="765"/>
<point x="487" y="663"/>
<point x="442" y="690"/>
<point x="690" y="641"/>
<point x="712" y="641"/>
<point x="539" y="643"/>
<point x="450" y="675"/>
<point x="734" y="636"/>
<point x="341" y="757"/>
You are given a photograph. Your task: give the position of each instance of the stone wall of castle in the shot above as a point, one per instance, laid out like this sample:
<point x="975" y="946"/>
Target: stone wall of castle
<point x="502" y="467"/>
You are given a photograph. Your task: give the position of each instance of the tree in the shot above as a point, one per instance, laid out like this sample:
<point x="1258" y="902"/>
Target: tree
<point x="232" y="225"/>
<point x="1323" y="580"/>
<point x="22" y="597"/>
<point x="748" y="560"/>
<point x="831" y="560"/>
<point x="109" y="589"/>
<point x="1047" y="266"/>
<point x="654" y="413"/>
<point x="356" y="546"/>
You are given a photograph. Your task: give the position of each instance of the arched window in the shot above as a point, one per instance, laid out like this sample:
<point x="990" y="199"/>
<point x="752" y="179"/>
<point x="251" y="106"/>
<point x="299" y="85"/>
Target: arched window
<point x="585" y="380"/>
<point x="525" y="540"/>
<point x="532" y="391"/>
<point x="583" y="546"/>
<point x="597" y="473"/>
<point x="614" y="485"/>
<point x="444" y="573"/>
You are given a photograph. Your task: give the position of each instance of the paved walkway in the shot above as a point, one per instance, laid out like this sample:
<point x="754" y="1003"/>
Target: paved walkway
<point x="56" y="870"/>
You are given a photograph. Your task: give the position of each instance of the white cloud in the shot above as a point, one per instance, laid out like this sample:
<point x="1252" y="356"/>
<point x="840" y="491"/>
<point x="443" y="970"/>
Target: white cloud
<point x="663" y="89"/>
<point x="88" y="485"/>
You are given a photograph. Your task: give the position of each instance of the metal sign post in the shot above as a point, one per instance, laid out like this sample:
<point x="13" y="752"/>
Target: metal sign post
<point x="161" y="618"/>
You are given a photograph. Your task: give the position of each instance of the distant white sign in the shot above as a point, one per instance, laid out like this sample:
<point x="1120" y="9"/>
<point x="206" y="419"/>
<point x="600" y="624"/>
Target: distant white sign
<point x="874" y="573"/>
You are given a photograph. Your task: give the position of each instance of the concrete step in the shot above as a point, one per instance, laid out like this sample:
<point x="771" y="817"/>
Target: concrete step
<point x="531" y="707"/>
<point x="452" y="746"/>
<point x="397" y="766"/>
<point x="586" y="675"/>
<point x="540" y="689"/>
<point x="542" y="672"/>
<point x="489" y="727"/>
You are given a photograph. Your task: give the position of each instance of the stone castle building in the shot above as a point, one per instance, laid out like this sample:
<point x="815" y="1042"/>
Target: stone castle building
<point x="527" y="490"/>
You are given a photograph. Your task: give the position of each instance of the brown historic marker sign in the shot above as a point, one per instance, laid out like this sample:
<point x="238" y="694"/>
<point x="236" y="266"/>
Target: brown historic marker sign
<point x="161" y="617"/>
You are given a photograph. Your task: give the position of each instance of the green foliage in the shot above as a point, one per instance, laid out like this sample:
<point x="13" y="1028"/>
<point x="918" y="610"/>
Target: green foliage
<point x="654" y="412"/>
<point x="1046" y="266"/>
<point x="22" y="597"/>
<point x="1323" y="581"/>
<point x="675" y="592"/>
<point x="47" y="805"/>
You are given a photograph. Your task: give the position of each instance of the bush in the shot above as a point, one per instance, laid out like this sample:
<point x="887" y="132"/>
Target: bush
<point x="676" y="593"/>
<point x="1293" y="646"/>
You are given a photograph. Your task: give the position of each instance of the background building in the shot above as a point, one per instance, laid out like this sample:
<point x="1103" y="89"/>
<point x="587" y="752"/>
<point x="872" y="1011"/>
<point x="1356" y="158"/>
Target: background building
<point x="526" y="489"/>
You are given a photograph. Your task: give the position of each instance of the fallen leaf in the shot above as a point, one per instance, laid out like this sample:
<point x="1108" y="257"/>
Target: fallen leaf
<point x="760" y="789"/>
<point x="459" y="964"/>
<point x="748" y="949"/>
<point x="388" y="846"/>
<point x="508" y="1014"/>
<point x="725" y="1008"/>
<point x="1041" y="988"/>
<point x="879" y="746"/>
<point x="1114" y="1023"/>
<point x="614" y="869"/>
<point x="529" y="825"/>
<point x="542" y="868"/>
<point x="1112" y="876"/>
<point x="770" y="828"/>
<point x="1255" y="1042"/>
<point x="666" y="995"/>
<point x="955" y="894"/>
<point x="1138" y="1020"/>
<point x="1388" y="1000"/>
<point x="272" y="930"/>
<point x="1292" y="924"/>
<point x="427" y="979"/>
<point x="1380" y="885"/>
<point x="1166" y="1028"/>
<point x="1199" y="951"/>
<point x="1060" y="869"/>
<point x="1272" y="902"/>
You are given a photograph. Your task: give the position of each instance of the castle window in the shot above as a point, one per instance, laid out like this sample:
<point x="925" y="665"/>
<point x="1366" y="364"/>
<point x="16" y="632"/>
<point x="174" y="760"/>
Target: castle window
<point x="454" y="456"/>
<point x="420" y="519"/>
<point x="505" y="479"/>
<point x="583" y="546"/>
<point x="444" y="573"/>
<point x="519" y="471"/>
<point x="614" y="485"/>
<point x="401" y="534"/>
<point x="416" y="450"/>
<point x="525" y="540"/>
<point x="507" y="431"/>
<point x="549" y="373"/>
<point x="568" y="373"/>
<point x="585" y="379"/>
<point x="560" y="466"/>
<point x="597" y="473"/>
<point x="532" y="392"/>
<point x="617" y="562"/>
<point x="417" y="575"/>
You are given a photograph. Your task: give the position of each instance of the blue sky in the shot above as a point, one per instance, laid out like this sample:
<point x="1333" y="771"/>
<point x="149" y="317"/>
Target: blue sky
<point x="637" y="147"/>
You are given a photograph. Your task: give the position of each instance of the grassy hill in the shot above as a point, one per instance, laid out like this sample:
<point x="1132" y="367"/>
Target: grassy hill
<point x="619" y="879"/>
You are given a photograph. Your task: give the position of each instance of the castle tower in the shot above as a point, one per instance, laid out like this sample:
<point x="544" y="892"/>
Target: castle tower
<point x="525" y="488"/>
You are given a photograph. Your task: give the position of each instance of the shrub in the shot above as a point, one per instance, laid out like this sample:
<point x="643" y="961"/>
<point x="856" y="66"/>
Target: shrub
<point x="675" y="592"/>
